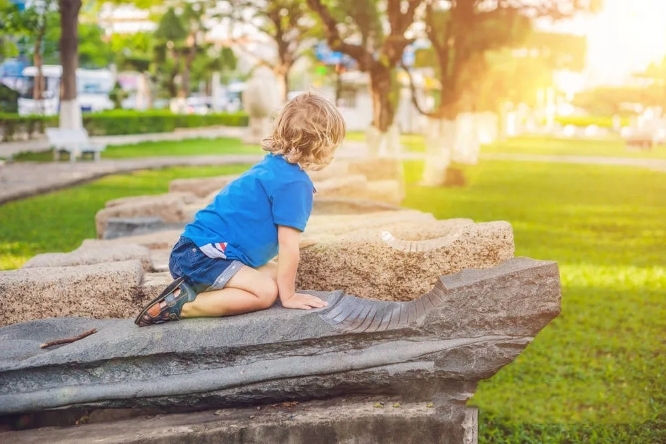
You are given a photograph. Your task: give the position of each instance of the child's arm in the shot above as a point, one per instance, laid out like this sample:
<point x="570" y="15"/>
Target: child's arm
<point x="288" y="257"/>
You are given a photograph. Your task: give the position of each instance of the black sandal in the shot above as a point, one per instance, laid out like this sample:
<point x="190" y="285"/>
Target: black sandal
<point x="172" y="307"/>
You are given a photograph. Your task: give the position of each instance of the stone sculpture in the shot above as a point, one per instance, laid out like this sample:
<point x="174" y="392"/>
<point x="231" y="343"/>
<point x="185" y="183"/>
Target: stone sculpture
<point x="260" y="101"/>
<point x="435" y="348"/>
<point x="419" y="311"/>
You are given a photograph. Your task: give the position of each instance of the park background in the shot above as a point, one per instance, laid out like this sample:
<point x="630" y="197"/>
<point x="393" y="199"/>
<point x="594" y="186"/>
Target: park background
<point x="537" y="94"/>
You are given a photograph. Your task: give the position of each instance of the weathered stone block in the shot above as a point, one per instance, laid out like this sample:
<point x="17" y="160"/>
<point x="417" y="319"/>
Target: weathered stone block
<point x="90" y="256"/>
<point x="129" y="226"/>
<point x="377" y="168"/>
<point x="201" y="187"/>
<point x="341" y="205"/>
<point x="389" y="191"/>
<point x="154" y="283"/>
<point x="344" y="186"/>
<point x="160" y="259"/>
<point x="338" y="224"/>
<point x="380" y="266"/>
<point x="435" y="348"/>
<point x="153" y="241"/>
<point x="371" y="420"/>
<point x="103" y="290"/>
<point x="337" y="168"/>
<point x="170" y="208"/>
<point x="185" y="196"/>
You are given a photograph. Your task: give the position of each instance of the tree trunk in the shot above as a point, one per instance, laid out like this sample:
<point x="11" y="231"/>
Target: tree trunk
<point x="70" y="111"/>
<point x="38" y="89"/>
<point x="284" y="78"/>
<point x="383" y="136"/>
<point x="383" y="108"/>
<point x="282" y="73"/>
<point x="439" y="138"/>
<point x="338" y="86"/>
<point x="189" y="60"/>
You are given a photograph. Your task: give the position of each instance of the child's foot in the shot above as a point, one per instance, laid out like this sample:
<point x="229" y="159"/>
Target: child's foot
<point x="167" y="306"/>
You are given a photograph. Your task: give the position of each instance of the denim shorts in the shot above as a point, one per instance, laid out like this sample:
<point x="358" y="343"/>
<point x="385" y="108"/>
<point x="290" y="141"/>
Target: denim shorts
<point x="200" y="271"/>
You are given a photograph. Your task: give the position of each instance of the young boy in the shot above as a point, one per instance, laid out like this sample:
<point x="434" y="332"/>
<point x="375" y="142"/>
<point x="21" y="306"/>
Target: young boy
<point x="220" y="264"/>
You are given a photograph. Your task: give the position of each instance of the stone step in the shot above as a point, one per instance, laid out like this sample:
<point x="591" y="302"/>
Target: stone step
<point x="371" y="420"/>
<point x="102" y="290"/>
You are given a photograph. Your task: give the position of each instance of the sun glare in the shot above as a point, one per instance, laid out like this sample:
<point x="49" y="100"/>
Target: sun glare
<point x="624" y="38"/>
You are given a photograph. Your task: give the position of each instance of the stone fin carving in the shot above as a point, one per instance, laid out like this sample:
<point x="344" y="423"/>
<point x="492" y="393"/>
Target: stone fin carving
<point x="354" y="315"/>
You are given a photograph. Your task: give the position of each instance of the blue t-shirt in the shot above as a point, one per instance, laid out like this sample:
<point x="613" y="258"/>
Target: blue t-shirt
<point x="241" y="223"/>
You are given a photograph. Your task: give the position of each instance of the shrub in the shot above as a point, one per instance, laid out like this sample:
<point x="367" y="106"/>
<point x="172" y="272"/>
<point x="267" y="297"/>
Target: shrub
<point x="600" y="121"/>
<point x="12" y="124"/>
<point x="115" y="122"/>
<point x="110" y="123"/>
<point x="8" y="99"/>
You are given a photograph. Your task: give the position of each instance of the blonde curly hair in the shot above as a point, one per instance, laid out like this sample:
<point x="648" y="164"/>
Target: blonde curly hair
<point x="307" y="131"/>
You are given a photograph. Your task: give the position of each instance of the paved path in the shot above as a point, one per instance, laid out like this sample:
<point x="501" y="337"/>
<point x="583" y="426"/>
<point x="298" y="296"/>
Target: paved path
<point x="23" y="179"/>
<point x="19" y="180"/>
<point x="652" y="164"/>
<point x="8" y="149"/>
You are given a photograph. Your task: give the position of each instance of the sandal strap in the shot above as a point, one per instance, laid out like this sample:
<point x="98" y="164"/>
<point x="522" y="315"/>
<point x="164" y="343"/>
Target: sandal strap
<point x="173" y="305"/>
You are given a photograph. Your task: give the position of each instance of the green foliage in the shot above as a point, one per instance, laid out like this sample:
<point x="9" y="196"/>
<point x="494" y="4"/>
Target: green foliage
<point x="141" y="122"/>
<point x="600" y="121"/>
<point x="93" y="51"/>
<point x="170" y="27"/>
<point x="121" y="122"/>
<point x="132" y="52"/>
<point x="138" y="122"/>
<point x="656" y="71"/>
<point x="620" y="100"/>
<point x="362" y="19"/>
<point x="497" y="84"/>
<point x="117" y="95"/>
<point x="13" y="124"/>
<point x="223" y="61"/>
<point x="8" y="99"/>
<point x="469" y="42"/>
<point x="180" y="57"/>
<point x="559" y="51"/>
<point x="29" y="25"/>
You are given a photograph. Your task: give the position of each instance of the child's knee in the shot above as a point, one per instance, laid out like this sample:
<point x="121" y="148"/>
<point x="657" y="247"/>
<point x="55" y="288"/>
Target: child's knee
<point x="268" y="292"/>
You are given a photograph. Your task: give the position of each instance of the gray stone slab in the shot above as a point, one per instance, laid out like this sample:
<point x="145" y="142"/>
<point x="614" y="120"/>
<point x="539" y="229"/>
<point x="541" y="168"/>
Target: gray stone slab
<point x="128" y="226"/>
<point x="281" y="354"/>
<point x="367" y="421"/>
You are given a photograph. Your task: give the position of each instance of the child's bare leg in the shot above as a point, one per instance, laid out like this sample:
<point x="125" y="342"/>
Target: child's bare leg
<point x="270" y="269"/>
<point x="248" y="290"/>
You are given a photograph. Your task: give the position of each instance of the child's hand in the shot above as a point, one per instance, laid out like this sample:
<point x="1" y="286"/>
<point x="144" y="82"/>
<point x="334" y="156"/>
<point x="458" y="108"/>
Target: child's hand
<point x="303" y="301"/>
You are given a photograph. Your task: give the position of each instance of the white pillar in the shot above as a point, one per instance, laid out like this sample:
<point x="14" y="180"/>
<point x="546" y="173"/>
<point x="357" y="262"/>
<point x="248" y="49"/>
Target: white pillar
<point x="70" y="114"/>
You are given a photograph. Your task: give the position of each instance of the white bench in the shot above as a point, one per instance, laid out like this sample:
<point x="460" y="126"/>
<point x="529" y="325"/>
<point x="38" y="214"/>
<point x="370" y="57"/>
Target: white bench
<point x="74" y="141"/>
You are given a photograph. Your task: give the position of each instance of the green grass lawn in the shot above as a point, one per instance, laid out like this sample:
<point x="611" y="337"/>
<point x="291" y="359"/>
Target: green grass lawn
<point x="598" y="371"/>
<point x="411" y="143"/>
<point x="596" y="374"/>
<point x="553" y="146"/>
<point x="611" y="147"/>
<point x="192" y="147"/>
